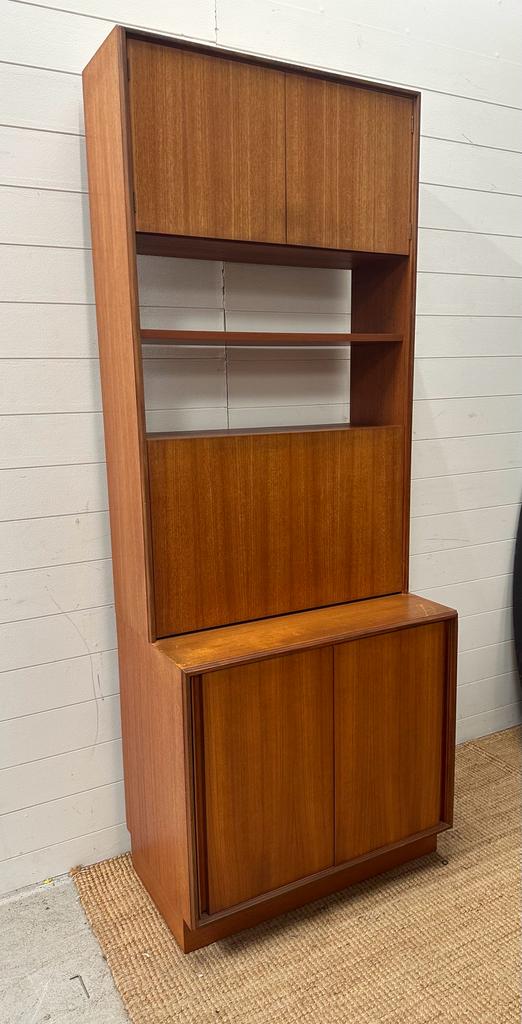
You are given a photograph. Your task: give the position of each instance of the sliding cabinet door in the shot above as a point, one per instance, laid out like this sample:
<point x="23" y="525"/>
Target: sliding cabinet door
<point x="389" y="738"/>
<point x="264" y="762"/>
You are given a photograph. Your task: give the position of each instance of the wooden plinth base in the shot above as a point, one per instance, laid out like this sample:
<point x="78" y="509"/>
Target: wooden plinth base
<point x="264" y="908"/>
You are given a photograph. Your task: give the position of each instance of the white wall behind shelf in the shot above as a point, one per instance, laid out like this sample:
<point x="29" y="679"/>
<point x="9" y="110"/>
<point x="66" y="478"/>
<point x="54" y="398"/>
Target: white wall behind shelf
<point x="61" y="797"/>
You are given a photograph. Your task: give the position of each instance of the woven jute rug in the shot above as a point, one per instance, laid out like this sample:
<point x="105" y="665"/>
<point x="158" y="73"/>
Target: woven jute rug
<point x="437" y="941"/>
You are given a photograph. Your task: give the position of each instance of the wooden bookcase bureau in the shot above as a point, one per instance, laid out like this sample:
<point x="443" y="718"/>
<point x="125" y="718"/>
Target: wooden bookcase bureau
<point x="288" y="708"/>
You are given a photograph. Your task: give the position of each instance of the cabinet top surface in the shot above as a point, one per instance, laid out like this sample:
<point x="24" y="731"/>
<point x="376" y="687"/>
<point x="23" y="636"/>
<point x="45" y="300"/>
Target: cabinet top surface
<point x="213" y="649"/>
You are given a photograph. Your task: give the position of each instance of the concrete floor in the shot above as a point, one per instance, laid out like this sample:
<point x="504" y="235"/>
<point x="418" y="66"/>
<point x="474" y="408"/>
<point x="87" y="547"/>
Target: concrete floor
<point x="51" y="967"/>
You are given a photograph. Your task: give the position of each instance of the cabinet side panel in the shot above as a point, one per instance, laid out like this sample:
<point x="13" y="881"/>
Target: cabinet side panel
<point x="248" y="526"/>
<point x="450" y="720"/>
<point x="268" y="751"/>
<point x="389" y="723"/>
<point x="114" y="259"/>
<point x="151" y="689"/>
<point x="158" y="769"/>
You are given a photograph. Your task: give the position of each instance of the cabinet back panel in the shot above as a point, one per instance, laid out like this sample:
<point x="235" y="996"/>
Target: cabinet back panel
<point x="349" y="166"/>
<point x="208" y="145"/>
<point x="273" y="523"/>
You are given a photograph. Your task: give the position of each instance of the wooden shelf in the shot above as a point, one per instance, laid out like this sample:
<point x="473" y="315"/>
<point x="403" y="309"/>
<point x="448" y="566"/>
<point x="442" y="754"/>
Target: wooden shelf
<point x="304" y="428"/>
<point x="280" y="254"/>
<point x="214" y="649"/>
<point x="263" y="338"/>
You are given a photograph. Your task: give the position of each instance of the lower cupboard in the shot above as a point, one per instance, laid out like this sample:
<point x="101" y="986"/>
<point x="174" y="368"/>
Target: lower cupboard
<point x="307" y="762"/>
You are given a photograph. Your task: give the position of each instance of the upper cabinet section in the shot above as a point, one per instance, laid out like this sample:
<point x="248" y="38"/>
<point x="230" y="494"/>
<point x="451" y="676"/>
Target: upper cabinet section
<point x="228" y="149"/>
<point x="349" y="162"/>
<point x="208" y="145"/>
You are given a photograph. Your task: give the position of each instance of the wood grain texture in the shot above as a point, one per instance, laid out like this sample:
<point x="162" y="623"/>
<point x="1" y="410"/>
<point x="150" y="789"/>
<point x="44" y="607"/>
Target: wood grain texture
<point x="389" y="717"/>
<point x="348" y="166"/>
<point x="381" y="382"/>
<point x="154" y="742"/>
<point x="233" y="736"/>
<point x="208" y="145"/>
<point x="264" y="338"/>
<point x="450" y="723"/>
<point x="248" y="431"/>
<point x="196" y="653"/>
<point x="268" y="755"/>
<point x="237" y="251"/>
<point x="211" y="50"/>
<point x="112" y="227"/>
<point x="249" y="526"/>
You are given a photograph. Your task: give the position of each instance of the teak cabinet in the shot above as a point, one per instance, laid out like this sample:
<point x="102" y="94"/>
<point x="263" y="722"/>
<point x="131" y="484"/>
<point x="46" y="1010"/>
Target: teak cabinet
<point x="229" y="149"/>
<point x="334" y="777"/>
<point x="288" y="707"/>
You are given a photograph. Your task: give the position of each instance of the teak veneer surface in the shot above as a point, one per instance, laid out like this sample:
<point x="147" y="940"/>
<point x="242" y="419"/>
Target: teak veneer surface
<point x="241" y="251"/>
<point x="245" y="789"/>
<point x="154" y="742"/>
<point x="274" y="523"/>
<point x="181" y="43"/>
<point x="381" y="382"/>
<point x="250" y="431"/>
<point x="235" y="150"/>
<point x="263" y="338"/>
<point x="306" y="890"/>
<point x="349" y="166"/>
<point x="196" y="653"/>
<point x="208" y="144"/>
<point x="268" y="771"/>
<point x="389" y="711"/>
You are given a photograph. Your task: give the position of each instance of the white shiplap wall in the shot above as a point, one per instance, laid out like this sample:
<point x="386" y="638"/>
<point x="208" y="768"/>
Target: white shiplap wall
<point x="61" y="797"/>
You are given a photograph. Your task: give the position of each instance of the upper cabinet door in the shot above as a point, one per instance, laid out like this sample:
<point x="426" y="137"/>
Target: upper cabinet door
<point x="349" y="166"/>
<point x="208" y="145"/>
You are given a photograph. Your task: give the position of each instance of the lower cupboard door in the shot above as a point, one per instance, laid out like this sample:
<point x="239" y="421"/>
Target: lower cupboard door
<point x="389" y="694"/>
<point x="264" y="757"/>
